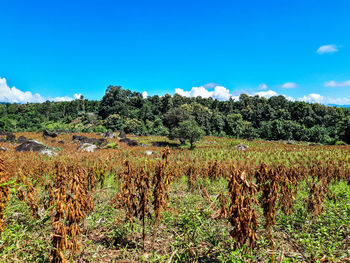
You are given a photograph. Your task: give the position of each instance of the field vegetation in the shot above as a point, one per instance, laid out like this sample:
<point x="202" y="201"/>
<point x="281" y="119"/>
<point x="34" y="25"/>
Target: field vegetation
<point x="272" y="202"/>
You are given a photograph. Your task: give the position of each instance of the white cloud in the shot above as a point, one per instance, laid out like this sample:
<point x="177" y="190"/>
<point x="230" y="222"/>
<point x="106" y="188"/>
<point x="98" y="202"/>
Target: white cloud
<point x="235" y="98"/>
<point x="200" y="91"/>
<point x="14" y="95"/>
<point x="313" y="97"/>
<point x="221" y="93"/>
<point x="335" y="84"/>
<point x="144" y="94"/>
<point x="266" y="94"/>
<point x="195" y="92"/>
<point x="289" y="98"/>
<point x="183" y="93"/>
<point x="327" y="49"/>
<point x="318" y="98"/>
<point x="289" y="85"/>
<point x="339" y="101"/>
<point x="77" y="96"/>
<point x="58" y="99"/>
<point x="263" y="86"/>
<point x="210" y="85"/>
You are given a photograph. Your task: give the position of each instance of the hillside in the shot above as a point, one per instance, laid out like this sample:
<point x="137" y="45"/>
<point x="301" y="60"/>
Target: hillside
<point x="250" y="117"/>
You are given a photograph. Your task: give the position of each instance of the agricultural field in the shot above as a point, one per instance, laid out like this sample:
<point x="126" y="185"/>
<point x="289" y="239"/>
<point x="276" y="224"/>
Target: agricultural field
<point x="162" y="202"/>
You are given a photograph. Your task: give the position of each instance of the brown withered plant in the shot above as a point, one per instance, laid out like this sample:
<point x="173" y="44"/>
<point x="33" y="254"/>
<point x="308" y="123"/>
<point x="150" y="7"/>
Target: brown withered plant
<point x="161" y="181"/>
<point x="143" y="191"/>
<point x="73" y="202"/>
<point x="242" y="214"/>
<point x="27" y="193"/>
<point x="268" y="183"/>
<point x="4" y="193"/>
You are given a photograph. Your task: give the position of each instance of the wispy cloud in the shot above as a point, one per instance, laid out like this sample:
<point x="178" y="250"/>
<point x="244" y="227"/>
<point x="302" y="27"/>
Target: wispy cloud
<point x="318" y="98"/>
<point x="335" y="84"/>
<point x="263" y="86"/>
<point x="289" y="85"/>
<point x="13" y="94"/>
<point x="327" y="49"/>
<point x="338" y="101"/>
<point x="65" y="98"/>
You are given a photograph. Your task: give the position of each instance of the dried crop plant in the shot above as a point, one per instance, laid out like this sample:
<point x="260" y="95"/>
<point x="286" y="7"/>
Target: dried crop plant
<point x="205" y="193"/>
<point x="4" y="193"/>
<point x="214" y="170"/>
<point x="73" y="202"/>
<point x="91" y="177"/>
<point x="143" y="190"/>
<point x="242" y="214"/>
<point x="160" y="183"/>
<point x="288" y="188"/>
<point x="268" y="183"/>
<point x="134" y="196"/>
<point x="27" y="193"/>
<point x="223" y="206"/>
<point x="192" y="177"/>
<point x="127" y="198"/>
<point x="316" y="197"/>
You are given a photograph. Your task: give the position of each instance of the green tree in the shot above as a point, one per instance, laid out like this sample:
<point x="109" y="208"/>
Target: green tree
<point x="320" y="134"/>
<point x="235" y="125"/>
<point x="202" y="116"/>
<point x="343" y="129"/>
<point x="281" y="130"/>
<point x="189" y="130"/>
<point x="217" y="123"/>
<point x="120" y="101"/>
<point x="176" y="115"/>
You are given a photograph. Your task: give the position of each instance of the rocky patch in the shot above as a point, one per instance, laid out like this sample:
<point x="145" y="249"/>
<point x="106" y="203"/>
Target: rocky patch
<point x="87" y="147"/>
<point x="48" y="152"/>
<point x="129" y="141"/>
<point x="84" y="139"/>
<point x="30" y="145"/>
<point x="109" y="135"/>
<point x="10" y="137"/>
<point x="47" y="133"/>
<point x="241" y="147"/>
<point x="21" y="139"/>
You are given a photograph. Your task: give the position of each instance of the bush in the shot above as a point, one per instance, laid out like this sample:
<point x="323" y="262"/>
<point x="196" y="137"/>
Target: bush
<point x="340" y="143"/>
<point x="99" y="129"/>
<point x="133" y="126"/>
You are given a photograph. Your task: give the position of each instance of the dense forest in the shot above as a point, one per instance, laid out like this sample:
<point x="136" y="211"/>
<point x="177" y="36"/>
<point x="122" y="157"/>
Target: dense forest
<point x="275" y="118"/>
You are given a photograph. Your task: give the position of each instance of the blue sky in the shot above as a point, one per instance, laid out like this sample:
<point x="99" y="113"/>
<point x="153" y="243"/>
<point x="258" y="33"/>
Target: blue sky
<point x="55" y="49"/>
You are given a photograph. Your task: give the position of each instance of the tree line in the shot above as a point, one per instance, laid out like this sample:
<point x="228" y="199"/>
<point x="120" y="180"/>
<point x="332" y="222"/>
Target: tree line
<point x="184" y="118"/>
